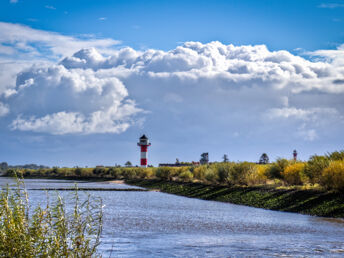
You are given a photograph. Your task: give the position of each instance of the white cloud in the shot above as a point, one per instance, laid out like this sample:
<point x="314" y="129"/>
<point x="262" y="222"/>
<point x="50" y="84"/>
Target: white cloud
<point x="308" y="135"/>
<point x="4" y="110"/>
<point x="60" y="101"/>
<point x="303" y="114"/>
<point x="50" y="7"/>
<point x="23" y="42"/>
<point x="13" y="1"/>
<point x="102" y="18"/>
<point x="196" y="83"/>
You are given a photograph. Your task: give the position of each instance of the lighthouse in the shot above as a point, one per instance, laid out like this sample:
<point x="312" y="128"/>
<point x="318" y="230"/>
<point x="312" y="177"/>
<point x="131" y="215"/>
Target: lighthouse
<point x="143" y="143"/>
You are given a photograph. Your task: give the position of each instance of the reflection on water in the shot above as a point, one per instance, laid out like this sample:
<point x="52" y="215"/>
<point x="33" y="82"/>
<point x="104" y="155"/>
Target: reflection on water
<point x="146" y="224"/>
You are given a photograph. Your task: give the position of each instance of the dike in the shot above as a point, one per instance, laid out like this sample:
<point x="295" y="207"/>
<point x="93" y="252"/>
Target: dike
<point x="310" y="202"/>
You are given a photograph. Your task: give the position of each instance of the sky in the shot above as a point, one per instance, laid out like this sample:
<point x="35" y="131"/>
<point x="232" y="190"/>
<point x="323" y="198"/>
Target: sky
<point x="81" y="81"/>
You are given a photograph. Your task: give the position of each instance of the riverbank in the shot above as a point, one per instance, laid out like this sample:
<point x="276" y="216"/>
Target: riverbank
<point x="310" y="202"/>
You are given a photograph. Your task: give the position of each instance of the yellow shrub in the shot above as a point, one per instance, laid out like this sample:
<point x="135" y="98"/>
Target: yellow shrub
<point x="257" y="175"/>
<point x="333" y="175"/>
<point x="186" y="176"/>
<point x="199" y="172"/>
<point x="293" y="173"/>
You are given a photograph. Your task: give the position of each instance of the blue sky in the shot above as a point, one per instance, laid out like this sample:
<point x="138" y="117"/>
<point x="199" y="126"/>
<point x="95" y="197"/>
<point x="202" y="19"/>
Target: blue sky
<point x="81" y="80"/>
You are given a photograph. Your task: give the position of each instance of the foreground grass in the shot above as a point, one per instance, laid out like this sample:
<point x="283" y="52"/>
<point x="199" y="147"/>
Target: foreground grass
<point x="51" y="231"/>
<point x="311" y="201"/>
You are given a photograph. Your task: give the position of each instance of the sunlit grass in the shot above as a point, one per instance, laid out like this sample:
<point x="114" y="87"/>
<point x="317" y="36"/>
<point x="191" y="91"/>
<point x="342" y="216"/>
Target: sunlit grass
<point x="49" y="231"/>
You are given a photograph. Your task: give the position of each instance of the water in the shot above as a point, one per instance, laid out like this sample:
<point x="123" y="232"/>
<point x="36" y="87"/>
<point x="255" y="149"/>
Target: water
<point x="153" y="224"/>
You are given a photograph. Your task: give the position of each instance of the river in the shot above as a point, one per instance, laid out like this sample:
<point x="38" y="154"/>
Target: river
<point x="154" y="224"/>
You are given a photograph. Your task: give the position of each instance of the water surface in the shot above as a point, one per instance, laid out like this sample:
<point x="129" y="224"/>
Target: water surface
<point x="153" y="224"/>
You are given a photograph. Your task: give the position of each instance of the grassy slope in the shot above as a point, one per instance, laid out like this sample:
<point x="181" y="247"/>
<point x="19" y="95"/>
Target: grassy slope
<point x="312" y="202"/>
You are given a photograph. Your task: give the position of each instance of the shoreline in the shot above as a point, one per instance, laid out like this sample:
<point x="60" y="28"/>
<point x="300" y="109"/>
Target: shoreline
<point x="308" y="202"/>
<point x="312" y="202"/>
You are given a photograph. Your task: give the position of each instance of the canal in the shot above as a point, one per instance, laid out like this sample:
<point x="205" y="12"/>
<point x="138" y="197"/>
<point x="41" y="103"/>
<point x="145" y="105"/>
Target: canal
<point x="154" y="224"/>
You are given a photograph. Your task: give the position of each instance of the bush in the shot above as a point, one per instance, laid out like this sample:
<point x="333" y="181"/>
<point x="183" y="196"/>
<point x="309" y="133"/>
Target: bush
<point x="333" y="176"/>
<point x="258" y="175"/>
<point x="49" y="231"/>
<point x="199" y="172"/>
<point x="315" y="166"/>
<point x="186" y="176"/>
<point x="276" y="169"/>
<point x="224" y="170"/>
<point x="145" y="173"/>
<point x="293" y="173"/>
<point x="239" y="172"/>
<point x="211" y="174"/>
<point x="166" y="173"/>
<point x="336" y="155"/>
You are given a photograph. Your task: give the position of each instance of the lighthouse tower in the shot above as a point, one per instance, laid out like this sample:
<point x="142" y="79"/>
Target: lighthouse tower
<point x="143" y="143"/>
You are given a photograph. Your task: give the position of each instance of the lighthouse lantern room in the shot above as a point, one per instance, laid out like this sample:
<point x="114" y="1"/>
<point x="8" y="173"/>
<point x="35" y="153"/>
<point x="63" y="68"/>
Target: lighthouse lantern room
<point x="144" y="143"/>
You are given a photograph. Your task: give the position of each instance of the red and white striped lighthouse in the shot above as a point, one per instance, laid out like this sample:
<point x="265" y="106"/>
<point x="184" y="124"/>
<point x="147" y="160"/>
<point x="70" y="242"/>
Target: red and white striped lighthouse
<point x="143" y="143"/>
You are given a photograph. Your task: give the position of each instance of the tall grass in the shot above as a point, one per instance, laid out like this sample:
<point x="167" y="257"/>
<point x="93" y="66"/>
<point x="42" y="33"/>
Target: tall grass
<point x="50" y="231"/>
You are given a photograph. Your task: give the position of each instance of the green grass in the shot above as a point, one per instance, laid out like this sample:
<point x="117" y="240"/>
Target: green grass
<point x="49" y="231"/>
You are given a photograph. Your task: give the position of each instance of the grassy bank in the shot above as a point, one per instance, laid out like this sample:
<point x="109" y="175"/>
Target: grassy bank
<point x="314" y="187"/>
<point x="311" y="202"/>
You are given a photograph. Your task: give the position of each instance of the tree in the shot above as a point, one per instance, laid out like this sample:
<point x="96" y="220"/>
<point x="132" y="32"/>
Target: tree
<point x="204" y="158"/>
<point x="128" y="164"/>
<point x="225" y="158"/>
<point x="264" y="159"/>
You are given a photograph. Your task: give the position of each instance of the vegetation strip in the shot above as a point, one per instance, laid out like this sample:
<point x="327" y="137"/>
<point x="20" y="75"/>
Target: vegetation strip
<point x="90" y="189"/>
<point x="311" y="202"/>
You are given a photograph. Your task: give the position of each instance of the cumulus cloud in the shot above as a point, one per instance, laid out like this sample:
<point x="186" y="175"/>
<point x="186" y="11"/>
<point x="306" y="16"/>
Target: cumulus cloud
<point x="194" y="84"/>
<point x="60" y="101"/>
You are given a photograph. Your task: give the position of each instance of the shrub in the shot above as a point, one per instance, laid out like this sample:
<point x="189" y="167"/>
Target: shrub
<point x="165" y="173"/>
<point x="224" y="170"/>
<point x="239" y="171"/>
<point x="49" y="231"/>
<point x="336" y="155"/>
<point x="211" y="174"/>
<point x="99" y="171"/>
<point x="186" y="176"/>
<point x="293" y="173"/>
<point x="146" y="173"/>
<point x="276" y="169"/>
<point x="315" y="166"/>
<point x="333" y="176"/>
<point x="199" y="172"/>
<point x="257" y="175"/>
<point x="116" y="172"/>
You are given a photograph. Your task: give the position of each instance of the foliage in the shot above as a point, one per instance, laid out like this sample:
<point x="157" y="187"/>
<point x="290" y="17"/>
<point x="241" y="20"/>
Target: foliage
<point x="186" y="175"/>
<point x="264" y="159"/>
<point x="336" y="155"/>
<point x="257" y="175"/>
<point x="314" y="167"/>
<point x="50" y="231"/>
<point x="225" y="173"/>
<point x="333" y="176"/>
<point x="276" y="169"/>
<point x="293" y="173"/>
<point x="128" y="164"/>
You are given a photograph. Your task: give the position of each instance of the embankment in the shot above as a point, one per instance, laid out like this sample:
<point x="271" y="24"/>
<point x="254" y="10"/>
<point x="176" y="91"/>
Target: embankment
<point x="311" y="202"/>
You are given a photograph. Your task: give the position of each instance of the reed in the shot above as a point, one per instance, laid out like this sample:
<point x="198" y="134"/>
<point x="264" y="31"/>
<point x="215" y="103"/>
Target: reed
<point x="50" y="231"/>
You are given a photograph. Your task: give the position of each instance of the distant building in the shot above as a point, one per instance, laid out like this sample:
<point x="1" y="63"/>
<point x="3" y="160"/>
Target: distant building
<point x="179" y="164"/>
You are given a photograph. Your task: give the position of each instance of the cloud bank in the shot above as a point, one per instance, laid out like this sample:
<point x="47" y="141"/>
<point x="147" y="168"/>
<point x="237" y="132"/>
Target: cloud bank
<point x="93" y="90"/>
